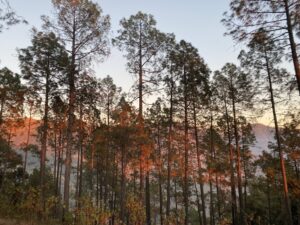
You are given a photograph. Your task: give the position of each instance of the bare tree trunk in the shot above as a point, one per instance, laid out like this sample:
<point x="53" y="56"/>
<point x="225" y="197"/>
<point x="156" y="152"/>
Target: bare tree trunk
<point x="292" y="42"/>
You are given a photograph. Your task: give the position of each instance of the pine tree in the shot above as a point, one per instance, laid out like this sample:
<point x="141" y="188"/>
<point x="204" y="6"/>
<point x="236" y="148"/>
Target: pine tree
<point x="277" y="18"/>
<point x="266" y="56"/>
<point x="145" y="48"/>
<point x="11" y="97"/>
<point x="41" y="65"/>
<point x="190" y="68"/>
<point x="239" y="92"/>
<point x="82" y="25"/>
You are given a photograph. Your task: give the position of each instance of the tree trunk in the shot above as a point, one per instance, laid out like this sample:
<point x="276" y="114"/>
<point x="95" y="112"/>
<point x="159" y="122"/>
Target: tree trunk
<point x="59" y="162"/>
<point x="238" y="161"/>
<point x="2" y="110"/>
<point x="176" y="201"/>
<point x="292" y="43"/>
<point x="232" y="178"/>
<point x="203" y="205"/>
<point x="28" y="138"/>
<point x="198" y="204"/>
<point x="44" y="140"/>
<point x="148" y="206"/>
<point x="212" y="208"/>
<point x="169" y="150"/>
<point x="72" y="99"/>
<point x="269" y="202"/>
<point x="79" y="159"/>
<point x="186" y="153"/>
<point x="123" y="185"/>
<point x="160" y="175"/>
<point x="277" y="134"/>
<point x="245" y="172"/>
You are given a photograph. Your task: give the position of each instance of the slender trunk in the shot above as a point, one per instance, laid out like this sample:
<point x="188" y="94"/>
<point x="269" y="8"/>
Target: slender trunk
<point x="141" y="125"/>
<point x="2" y="109"/>
<point x="77" y="179"/>
<point x="269" y="202"/>
<point x="28" y="138"/>
<point x="109" y="165"/>
<point x="218" y="197"/>
<point x="212" y="208"/>
<point x="44" y="140"/>
<point x="238" y="160"/>
<point x="98" y="183"/>
<point x="114" y="184"/>
<point x="277" y="134"/>
<point x="176" y="200"/>
<point x="72" y="99"/>
<point x="160" y="176"/>
<point x="61" y="167"/>
<point x="203" y="205"/>
<point x="148" y="206"/>
<point x="55" y="152"/>
<point x="79" y="156"/>
<point x="292" y="42"/>
<point x="123" y="185"/>
<point x="59" y="159"/>
<point x="186" y="153"/>
<point x="232" y="177"/>
<point x="245" y="172"/>
<point x="217" y="186"/>
<point x="57" y="171"/>
<point x="170" y="149"/>
<point x="198" y="204"/>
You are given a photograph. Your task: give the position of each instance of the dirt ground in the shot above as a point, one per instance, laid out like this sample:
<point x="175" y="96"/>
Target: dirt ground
<point x="13" y="222"/>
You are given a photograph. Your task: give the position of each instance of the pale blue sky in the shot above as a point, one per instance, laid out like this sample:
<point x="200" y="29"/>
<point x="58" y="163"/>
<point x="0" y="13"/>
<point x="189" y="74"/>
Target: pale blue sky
<point x="196" y="21"/>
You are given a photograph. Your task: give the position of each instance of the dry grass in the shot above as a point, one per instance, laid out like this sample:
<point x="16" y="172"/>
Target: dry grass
<point x="12" y="222"/>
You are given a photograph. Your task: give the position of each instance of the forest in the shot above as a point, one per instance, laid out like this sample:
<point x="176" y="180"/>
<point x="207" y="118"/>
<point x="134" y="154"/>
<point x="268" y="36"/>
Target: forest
<point x="179" y="148"/>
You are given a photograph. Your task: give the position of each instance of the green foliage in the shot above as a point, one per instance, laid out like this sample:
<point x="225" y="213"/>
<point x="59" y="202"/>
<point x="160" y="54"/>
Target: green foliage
<point x="11" y="96"/>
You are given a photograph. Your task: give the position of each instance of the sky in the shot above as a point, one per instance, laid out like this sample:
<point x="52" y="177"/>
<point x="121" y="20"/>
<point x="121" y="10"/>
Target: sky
<point x="196" y="21"/>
